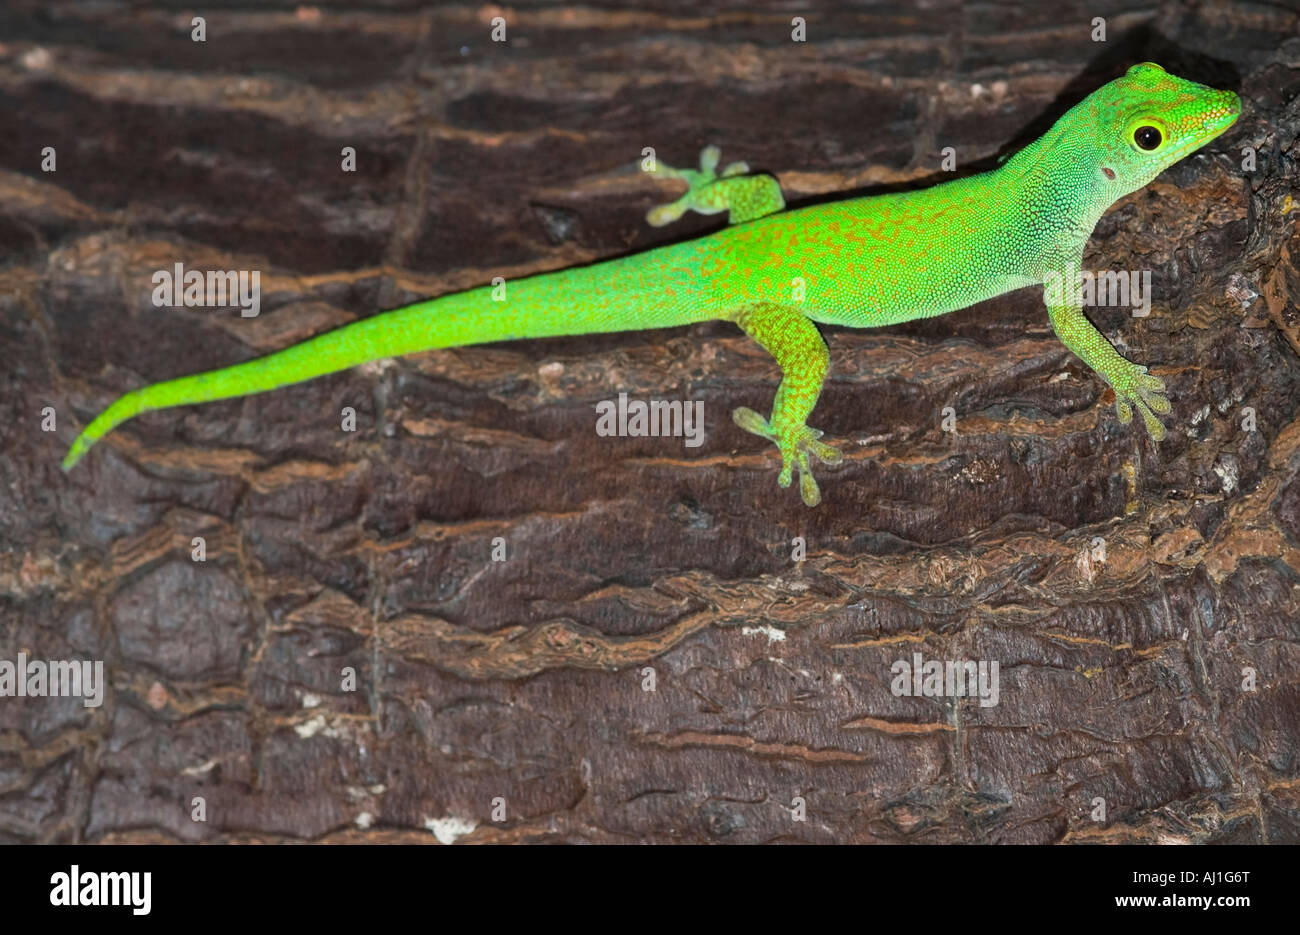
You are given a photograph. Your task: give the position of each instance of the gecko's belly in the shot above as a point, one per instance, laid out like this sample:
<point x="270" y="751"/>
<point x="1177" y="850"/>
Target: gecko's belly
<point x="875" y="288"/>
<point x="870" y="300"/>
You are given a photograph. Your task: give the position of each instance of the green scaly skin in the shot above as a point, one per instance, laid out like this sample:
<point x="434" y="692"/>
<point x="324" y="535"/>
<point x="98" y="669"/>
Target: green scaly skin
<point x="862" y="262"/>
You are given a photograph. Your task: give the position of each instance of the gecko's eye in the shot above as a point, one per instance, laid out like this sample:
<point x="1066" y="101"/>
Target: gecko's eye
<point x="1147" y="137"/>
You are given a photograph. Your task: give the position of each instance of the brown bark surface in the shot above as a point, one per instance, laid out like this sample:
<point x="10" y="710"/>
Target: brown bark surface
<point x="523" y="680"/>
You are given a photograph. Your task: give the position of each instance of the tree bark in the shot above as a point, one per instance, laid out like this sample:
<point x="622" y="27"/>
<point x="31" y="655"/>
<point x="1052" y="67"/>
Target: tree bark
<point x="1142" y="602"/>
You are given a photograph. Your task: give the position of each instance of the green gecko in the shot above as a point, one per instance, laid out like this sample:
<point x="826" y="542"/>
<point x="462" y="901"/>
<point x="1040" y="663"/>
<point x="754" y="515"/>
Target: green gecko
<point x="863" y="262"/>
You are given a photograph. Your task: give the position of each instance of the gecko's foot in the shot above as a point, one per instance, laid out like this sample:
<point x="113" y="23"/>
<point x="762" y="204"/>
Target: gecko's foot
<point x="1135" y="388"/>
<point x="795" y="445"/>
<point x="745" y="198"/>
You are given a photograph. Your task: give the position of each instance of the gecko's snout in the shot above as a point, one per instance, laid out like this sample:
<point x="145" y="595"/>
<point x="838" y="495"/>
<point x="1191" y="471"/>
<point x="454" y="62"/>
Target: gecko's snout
<point x="1222" y="108"/>
<point x="1233" y="102"/>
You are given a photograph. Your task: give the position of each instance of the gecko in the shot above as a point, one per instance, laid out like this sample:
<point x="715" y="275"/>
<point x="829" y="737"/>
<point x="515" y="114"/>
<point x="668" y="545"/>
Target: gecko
<point x="860" y="262"/>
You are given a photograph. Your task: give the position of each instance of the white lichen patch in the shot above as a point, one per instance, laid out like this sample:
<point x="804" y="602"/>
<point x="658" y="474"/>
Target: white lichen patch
<point x="316" y="725"/>
<point x="376" y="368"/>
<point x="448" y="829"/>
<point x="1227" y="471"/>
<point x="200" y="769"/>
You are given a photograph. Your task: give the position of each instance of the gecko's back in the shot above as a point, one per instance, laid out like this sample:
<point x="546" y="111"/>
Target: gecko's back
<point x="877" y="260"/>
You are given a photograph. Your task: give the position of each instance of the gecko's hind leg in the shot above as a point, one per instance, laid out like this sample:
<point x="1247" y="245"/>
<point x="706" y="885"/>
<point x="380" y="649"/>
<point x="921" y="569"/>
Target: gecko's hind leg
<point x="803" y="444"/>
<point x="797" y="345"/>
<point x="710" y="192"/>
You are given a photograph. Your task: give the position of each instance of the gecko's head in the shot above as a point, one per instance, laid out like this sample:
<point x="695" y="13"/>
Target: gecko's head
<point x="1149" y="119"/>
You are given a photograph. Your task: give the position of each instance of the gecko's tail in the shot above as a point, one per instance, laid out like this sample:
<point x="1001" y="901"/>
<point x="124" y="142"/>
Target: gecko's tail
<point x="122" y="409"/>
<point x="619" y="295"/>
<point x="386" y="335"/>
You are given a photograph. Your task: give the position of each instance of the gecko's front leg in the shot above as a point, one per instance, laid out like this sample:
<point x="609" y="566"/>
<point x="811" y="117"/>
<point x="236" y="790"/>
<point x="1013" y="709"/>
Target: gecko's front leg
<point x="1134" y="387"/>
<point x="710" y="192"/>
